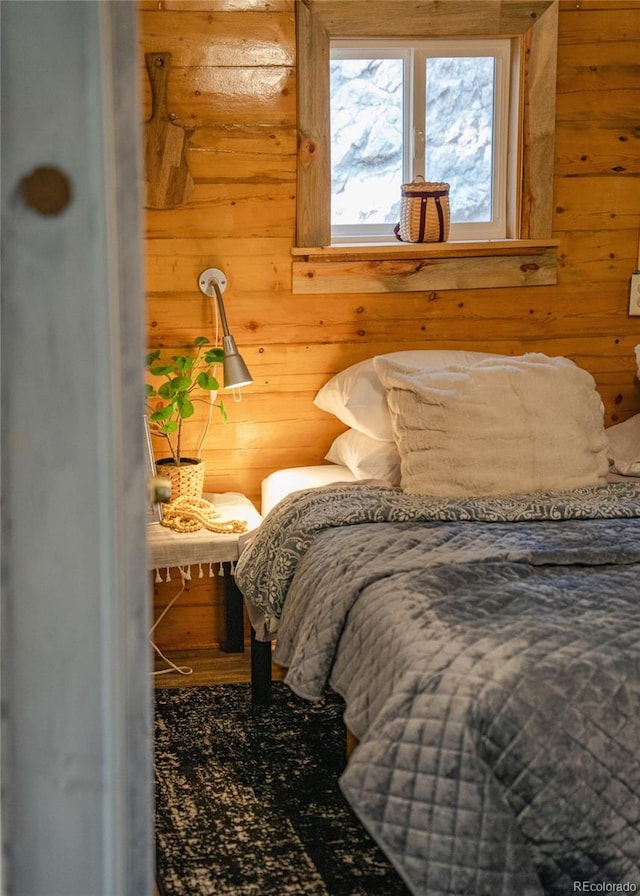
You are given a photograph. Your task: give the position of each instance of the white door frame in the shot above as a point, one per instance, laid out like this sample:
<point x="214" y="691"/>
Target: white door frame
<point x="76" y="691"/>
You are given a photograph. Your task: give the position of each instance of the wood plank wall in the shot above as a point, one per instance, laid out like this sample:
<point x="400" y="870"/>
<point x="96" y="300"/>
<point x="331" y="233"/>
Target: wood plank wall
<point x="233" y="84"/>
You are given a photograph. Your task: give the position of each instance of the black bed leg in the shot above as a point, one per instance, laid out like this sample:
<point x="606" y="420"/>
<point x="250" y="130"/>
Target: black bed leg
<point x="260" y="671"/>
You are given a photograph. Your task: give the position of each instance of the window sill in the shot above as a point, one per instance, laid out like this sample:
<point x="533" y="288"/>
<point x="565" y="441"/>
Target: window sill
<point x="420" y="267"/>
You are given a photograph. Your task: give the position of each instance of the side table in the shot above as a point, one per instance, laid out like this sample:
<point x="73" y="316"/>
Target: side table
<point x="205" y="550"/>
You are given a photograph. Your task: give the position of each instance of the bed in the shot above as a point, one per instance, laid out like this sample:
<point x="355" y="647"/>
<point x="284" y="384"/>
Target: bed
<point x="485" y="638"/>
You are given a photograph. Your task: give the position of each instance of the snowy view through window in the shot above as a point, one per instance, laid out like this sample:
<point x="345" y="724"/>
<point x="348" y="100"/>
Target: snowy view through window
<point x="367" y="137"/>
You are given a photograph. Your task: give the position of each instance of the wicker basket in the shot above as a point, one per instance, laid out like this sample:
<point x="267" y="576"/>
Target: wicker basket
<point x="424" y="212"/>
<point x="186" y="480"/>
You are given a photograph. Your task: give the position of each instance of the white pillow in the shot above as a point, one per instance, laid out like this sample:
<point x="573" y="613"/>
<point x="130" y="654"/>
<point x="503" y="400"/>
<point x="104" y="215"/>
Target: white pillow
<point x="624" y="446"/>
<point x="356" y="396"/>
<point x="504" y="426"/>
<point x="367" y="458"/>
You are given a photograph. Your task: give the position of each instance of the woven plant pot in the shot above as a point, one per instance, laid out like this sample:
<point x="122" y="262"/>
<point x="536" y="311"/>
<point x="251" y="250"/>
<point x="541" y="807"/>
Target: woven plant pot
<point x="186" y="480"/>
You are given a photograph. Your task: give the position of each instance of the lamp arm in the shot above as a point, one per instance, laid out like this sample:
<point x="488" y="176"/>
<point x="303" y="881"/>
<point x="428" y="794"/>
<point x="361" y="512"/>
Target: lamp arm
<point x="223" y="317"/>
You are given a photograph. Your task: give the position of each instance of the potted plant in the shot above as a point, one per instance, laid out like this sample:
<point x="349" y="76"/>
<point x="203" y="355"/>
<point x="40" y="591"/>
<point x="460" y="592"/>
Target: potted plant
<point x="187" y="378"/>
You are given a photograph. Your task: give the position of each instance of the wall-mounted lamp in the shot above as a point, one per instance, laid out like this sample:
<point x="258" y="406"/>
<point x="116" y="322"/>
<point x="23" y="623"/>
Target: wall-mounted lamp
<point x="213" y="283"/>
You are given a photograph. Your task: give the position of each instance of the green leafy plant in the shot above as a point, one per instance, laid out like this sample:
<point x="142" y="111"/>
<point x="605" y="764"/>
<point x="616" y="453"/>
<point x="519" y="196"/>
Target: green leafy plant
<point x="172" y="403"/>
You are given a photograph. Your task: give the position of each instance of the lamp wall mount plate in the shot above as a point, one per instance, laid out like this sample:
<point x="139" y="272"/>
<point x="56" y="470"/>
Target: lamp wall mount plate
<point x="205" y="278"/>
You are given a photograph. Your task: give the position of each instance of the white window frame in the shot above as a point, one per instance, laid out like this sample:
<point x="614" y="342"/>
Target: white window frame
<point x="414" y="55"/>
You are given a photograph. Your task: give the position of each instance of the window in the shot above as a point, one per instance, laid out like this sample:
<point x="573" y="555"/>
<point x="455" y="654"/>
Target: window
<point x="528" y="255"/>
<point x="439" y="109"/>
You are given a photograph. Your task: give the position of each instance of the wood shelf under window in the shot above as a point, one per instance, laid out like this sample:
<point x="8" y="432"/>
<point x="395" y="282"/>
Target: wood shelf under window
<point x="388" y="267"/>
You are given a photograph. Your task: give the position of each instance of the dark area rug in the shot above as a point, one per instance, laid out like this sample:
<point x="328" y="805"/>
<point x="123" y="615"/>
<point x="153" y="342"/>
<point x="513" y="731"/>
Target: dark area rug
<point x="248" y="802"/>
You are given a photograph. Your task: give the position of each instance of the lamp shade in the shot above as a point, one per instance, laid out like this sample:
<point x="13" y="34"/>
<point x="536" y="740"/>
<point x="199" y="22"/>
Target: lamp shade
<point x="234" y="369"/>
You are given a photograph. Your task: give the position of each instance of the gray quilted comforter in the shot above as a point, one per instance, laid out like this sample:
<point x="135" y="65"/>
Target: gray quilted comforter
<point x="489" y="655"/>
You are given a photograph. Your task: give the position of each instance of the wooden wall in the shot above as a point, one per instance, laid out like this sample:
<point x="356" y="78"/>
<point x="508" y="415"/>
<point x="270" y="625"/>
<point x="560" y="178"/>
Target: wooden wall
<point x="233" y="84"/>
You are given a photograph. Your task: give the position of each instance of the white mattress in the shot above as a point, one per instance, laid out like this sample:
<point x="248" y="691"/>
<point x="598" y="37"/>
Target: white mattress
<point x="278" y="485"/>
